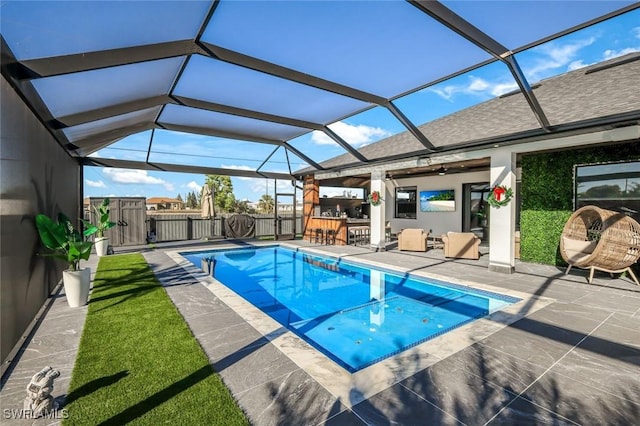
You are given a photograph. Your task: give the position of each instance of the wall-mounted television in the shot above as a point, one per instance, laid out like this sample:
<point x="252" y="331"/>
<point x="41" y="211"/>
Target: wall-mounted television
<point x="438" y="201"/>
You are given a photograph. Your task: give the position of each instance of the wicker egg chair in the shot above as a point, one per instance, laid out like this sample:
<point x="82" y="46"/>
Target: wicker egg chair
<point x="595" y="238"/>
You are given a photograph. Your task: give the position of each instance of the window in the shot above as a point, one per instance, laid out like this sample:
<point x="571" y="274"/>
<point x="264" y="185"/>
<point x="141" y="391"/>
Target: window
<point x="611" y="186"/>
<point x="406" y="206"/>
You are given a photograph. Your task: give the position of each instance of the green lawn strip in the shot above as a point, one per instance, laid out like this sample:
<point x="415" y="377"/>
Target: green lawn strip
<point x="138" y="362"/>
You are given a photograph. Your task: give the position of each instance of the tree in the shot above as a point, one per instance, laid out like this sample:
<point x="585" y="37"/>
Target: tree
<point x="179" y="198"/>
<point x="266" y="204"/>
<point x="242" y="207"/>
<point x="192" y="200"/>
<point x="222" y="188"/>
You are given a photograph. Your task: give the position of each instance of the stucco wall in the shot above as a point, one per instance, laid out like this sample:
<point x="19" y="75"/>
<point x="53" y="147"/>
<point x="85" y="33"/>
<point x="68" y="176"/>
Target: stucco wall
<point x="438" y="222"/>
<point x="36" y="176"/>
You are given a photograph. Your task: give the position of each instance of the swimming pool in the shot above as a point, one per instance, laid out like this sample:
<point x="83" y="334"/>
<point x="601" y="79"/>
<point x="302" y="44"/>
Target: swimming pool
<point x="353" y="314"/>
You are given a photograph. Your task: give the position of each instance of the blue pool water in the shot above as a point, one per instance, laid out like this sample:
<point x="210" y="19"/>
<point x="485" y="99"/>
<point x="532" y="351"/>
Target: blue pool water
<point x="355" y="315"/>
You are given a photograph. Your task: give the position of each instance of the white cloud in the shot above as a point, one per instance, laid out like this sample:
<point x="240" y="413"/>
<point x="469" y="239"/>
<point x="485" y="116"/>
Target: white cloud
<point x="636" y="32"/>
<point x="193" y="185"/>
<point x="476" y="86"/>
<point x="127" y="176"/>
<point x="576" y="65"/>
<point x="610" y="54"/>
<point x="357" y="136"/>
<point x="95" y="183"/>
<point x="556" y="55"/>
<point x="502" y="88"/>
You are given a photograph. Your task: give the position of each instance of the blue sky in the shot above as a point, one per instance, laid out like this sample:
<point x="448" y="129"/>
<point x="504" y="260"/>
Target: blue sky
<point x="606" y="40"/>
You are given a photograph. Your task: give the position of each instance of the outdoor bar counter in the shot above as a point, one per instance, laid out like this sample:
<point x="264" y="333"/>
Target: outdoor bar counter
<point x="339" y="224"/>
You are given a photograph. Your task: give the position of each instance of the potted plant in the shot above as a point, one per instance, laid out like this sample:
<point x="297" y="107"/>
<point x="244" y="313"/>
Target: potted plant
<point x="67" y="244"/>
<point x="101" y="225"/>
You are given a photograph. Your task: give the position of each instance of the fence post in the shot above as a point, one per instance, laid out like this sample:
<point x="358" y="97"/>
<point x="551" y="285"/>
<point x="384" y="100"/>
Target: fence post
<point x="222" y="230"/>
<point x="189" y="228"/>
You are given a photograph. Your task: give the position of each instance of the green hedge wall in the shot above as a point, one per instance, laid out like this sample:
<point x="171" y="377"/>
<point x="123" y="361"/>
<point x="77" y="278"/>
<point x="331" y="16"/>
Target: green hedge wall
<point x="547" y="196"/>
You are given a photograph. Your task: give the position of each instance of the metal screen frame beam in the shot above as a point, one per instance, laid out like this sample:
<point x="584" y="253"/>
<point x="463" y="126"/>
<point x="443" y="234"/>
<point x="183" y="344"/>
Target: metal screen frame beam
<point x="110" y="111"/>
<point x="410" y="126"/>
<point x="100" y="140"/>
<point x="78" y="62"/>
<point x="164" y="167"/>
<point x="217" y="133"/>
<point x="344" y="144"/>
<point x="460" y="26"/>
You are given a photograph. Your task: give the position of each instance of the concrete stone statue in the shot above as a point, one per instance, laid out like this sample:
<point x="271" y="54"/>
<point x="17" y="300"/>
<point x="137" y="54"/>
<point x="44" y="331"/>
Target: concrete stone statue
<point x="39" y="400"/>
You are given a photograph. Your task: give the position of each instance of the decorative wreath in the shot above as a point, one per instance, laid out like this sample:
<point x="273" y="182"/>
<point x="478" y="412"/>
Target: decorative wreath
<point x="500" y="196"/>
<point x="375" y="198"/>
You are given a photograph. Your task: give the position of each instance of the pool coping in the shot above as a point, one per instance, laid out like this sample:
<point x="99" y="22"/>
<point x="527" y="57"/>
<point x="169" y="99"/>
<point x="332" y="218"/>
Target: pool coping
<point x="353" y="388"/>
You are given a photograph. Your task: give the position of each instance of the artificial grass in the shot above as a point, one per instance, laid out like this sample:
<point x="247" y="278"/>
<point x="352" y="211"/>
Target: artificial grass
<point x="138" y="362"/>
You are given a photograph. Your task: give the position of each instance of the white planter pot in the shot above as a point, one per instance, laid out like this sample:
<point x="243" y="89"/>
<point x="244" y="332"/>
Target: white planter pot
<point x="102" y="244"/>
<point x="76" y="286"/>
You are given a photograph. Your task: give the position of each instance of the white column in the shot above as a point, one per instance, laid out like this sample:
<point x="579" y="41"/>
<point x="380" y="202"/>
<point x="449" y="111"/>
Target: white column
<point x="377" y="213"/>
<point x="502" y="220"/>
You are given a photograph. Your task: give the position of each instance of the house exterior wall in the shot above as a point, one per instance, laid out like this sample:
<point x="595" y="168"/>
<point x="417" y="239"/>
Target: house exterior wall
<point x="437" y="222"/>
<point x="36" y="176"/>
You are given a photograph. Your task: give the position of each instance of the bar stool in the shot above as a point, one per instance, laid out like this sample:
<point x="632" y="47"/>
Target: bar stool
<point x="359" y="235"/>
<point x="330" y="236"/>
<point x="318" y="235"/>
<point x="351" y="235"/>
<point x="364" y="235"/>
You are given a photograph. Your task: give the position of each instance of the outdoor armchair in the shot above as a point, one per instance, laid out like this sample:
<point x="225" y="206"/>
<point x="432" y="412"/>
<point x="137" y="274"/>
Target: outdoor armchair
<point x="412" y="239"/>
<point x="461" y="245"/>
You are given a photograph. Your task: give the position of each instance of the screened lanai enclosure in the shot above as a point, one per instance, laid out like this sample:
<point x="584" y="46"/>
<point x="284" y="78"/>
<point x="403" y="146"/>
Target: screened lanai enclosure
<point x="263" y="82"/>
<point x="279" y="90"/>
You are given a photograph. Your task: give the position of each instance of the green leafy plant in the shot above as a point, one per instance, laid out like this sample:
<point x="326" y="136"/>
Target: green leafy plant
<point x="63" y="239"/>
<point x="103" y="223"/>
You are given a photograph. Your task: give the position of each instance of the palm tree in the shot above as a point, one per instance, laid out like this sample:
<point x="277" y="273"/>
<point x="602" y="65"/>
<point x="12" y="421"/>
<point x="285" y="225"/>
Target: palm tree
<point x="266" y="204"/>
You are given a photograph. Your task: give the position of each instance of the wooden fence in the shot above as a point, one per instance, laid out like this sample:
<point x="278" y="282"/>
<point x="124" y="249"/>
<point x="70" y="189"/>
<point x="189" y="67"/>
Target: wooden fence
<point x="185" y="226"/>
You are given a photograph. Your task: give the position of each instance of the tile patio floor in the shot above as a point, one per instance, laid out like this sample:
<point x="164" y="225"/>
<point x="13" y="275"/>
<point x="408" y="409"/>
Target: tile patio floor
<point x="575" y="361"/>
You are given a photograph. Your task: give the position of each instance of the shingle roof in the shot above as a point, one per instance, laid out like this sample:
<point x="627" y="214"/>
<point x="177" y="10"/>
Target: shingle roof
<point x="606" y="88"/>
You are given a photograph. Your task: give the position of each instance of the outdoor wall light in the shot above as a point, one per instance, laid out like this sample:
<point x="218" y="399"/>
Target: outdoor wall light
<point x="442" y="171"/>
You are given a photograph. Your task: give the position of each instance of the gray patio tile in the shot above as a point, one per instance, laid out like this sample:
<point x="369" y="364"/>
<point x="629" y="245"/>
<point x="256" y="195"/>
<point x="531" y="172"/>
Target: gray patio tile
<point x="197" y="307"/>
<point x="448" y="386"/>
<point x="221" y="343"/>
<point x="253" y="366"/>
<point x="63" y="361"/>
<point x="564" y="292"/>
<point x="188" y="292"/>
<point x="292" y="399"/>
<point x="570" y="316"/>
<point x="609" y="367"/>
<point x="346" y="418"/>
<point x="618" y="323"/>
<point x="207" y="323"/>
<point x="71" y="322"/>
<point x="615" y="301"/>
<point x="523" y="413"/>
<point x="400" y="406"/>
<point x="41" y="345"/>
<point x="581" y="403"/>
<point x="534" y="341"/>
<point x="60" y="307"/>
<point x="498" y="368"/>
